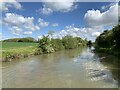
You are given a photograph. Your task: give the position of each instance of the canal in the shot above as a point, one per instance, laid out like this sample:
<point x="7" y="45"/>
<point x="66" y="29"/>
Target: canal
<point x="76" y="68"/>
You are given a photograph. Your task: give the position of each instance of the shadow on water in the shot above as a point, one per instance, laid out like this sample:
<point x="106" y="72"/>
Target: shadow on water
<point x="112" y="63"/>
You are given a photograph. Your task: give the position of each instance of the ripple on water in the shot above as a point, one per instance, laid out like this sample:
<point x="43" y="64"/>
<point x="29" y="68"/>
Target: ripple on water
<point x="97" y="72"/>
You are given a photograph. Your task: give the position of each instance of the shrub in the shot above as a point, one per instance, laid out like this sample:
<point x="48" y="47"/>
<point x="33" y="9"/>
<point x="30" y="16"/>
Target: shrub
<point x="57" y="44"/>
<point x="45" y="45"/>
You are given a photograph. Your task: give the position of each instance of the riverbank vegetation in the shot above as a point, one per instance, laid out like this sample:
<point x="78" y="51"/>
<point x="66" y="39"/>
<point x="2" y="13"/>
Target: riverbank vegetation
<point x="17" y="50"/>
<point x="47" y="45"/>
<point x="109" y="41"/>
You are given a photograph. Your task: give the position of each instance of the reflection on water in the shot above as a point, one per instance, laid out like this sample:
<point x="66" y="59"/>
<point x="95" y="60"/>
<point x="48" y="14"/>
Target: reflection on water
<point x="77" y="68"/>
<point x="112" y="63"/>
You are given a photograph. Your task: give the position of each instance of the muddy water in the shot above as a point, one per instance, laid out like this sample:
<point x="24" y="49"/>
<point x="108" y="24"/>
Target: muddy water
<point x="77" y="68"/>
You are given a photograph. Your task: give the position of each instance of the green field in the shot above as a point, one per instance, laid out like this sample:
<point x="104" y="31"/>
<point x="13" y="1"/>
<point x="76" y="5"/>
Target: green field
<point x="6" y="45"/>
<point x="13" y="49"/>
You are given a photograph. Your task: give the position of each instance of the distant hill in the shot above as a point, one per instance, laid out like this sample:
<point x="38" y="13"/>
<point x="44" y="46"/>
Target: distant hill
<point x="26" y="39"/>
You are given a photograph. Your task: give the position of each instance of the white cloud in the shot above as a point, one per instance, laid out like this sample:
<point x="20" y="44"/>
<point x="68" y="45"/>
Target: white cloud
<point x="18" y="24"/>
<point x="45" y="10"/>
<point x="89" y="33"/>
<point x="15" y="19"/>
<point x="55" y="24"/>
<point x="50" y="6"/>
<point x="84" y="33"/>
<point x="16" y="30"/>
<point x="95" y="34"/>
<point x="27" y="33"/>
<point x="4" y="6"/>
<point x="40" y="37"/>
<point x="37" y="27"/>
<point x="96" y="18"/>
<point x="12" y="19"/>
<point x="42" y="23"/>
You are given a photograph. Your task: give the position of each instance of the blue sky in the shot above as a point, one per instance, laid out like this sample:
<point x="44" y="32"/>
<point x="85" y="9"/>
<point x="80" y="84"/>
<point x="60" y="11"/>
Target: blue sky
<point x="34" y="19"/>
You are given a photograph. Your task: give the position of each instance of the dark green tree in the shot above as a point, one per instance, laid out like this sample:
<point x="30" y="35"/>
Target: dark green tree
<point x="89" y="43"/>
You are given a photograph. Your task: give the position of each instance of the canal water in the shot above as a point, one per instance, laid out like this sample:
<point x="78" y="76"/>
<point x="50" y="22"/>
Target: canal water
<point x="76" y="68"/>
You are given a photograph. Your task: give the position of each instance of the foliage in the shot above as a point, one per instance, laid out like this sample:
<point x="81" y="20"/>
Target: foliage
<point x="80" y="41"/>
<point x="57" y="44"/>
<point x="45" y="45"/>
<point x="68" y="42"/>
<point x="16" y="50"/>
<point x="105" y="39"/>
<point x="89" y="43"/>
<point x="116" y="36"/>
<point x="109" y="41"/>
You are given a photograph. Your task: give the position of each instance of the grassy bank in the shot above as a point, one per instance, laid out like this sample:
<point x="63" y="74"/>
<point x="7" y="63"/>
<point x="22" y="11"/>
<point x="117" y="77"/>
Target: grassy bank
<point x="17" y="50"/>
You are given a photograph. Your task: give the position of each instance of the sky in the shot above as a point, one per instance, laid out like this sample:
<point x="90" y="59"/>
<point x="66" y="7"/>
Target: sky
<point x="78" y="19"/>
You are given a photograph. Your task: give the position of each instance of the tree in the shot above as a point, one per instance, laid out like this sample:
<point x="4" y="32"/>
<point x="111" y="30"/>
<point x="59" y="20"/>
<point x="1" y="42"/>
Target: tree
<point x="69" y="42"/>
<point x="105" y="39"/>
<point x="116" y="35"/>
<point x="45" y="45"/>
<point x="109" y="39"/>
<point x="57" y="44"/>
<point x="89" y="43"/>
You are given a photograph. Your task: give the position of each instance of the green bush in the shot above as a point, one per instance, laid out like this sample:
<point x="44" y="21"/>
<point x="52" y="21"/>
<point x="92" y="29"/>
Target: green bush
<point x="57" y="44"/>
<point x="110" y="41"/>
<point x="105" y="39"/>
<point x="45" y="45"/>
<point x="68" y="42"/>
<point x="116" y="36"/>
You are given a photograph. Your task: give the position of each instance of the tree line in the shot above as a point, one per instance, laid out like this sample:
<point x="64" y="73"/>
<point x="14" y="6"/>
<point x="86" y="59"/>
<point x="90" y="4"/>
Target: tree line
<point x="109" y="41"/>
<point x="47" y="45"/>
<point x="25" y="39"/>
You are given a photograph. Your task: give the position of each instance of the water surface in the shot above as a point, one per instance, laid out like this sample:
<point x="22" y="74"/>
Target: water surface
<point x="77" y="68"/>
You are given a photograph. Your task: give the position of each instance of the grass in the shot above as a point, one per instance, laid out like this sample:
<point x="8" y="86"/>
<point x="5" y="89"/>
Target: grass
<point x="13" y="50"/>
<point x="7" y="45"/>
